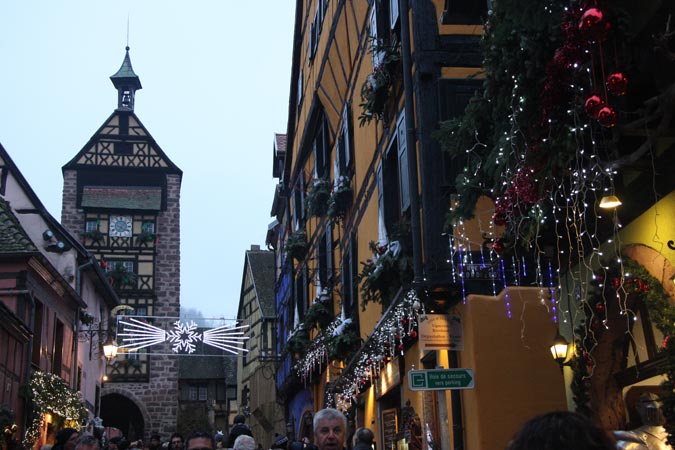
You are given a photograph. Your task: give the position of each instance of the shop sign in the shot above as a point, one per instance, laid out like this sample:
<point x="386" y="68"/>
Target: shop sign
<point x="440" y="332"/>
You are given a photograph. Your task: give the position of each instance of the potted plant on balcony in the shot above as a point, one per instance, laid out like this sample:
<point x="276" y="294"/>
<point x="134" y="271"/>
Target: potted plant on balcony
<point x="376" y="89"/>
<point x="296" y="245"/>
<point x="340" y="198"/>
<point x="318" y="196"/>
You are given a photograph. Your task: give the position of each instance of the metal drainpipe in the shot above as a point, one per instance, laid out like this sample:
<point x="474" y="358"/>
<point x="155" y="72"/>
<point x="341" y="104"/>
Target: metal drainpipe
<point x="456" y="399"/>
<point x="411" y="136"/>
<point x="411" y="144"/>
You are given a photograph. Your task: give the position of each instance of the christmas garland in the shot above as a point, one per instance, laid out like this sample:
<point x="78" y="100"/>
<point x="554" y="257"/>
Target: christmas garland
<point x="535" y="138"/>
<point x="619" y="280"/>
<point x="50" y="394"/>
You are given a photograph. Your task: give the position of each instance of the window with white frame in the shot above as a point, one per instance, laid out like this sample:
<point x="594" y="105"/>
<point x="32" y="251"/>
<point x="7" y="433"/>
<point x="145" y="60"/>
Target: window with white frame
<point x="91" y="225"/>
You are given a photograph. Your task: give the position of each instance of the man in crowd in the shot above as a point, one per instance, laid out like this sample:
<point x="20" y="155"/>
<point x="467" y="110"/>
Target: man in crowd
<point x="155" y="442"/>
<point x="330" y="429"/>
<point x="200" y="440"/>
<point x="176" y="441"/>
<point x="363" y="439"/>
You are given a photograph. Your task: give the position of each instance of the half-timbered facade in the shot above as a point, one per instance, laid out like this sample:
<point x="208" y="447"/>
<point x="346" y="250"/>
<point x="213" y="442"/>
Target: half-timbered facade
<point x="121" y="196"/>
<point x="503" y="238"/>
<point x="55" y="305"/>
<point x="256" y="393"/>
<point x="361" y="204"/>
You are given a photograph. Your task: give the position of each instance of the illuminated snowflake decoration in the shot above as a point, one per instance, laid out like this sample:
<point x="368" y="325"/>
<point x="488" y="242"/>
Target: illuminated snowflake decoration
<point x="138" y="334"/>
<point x="183" y="336"/>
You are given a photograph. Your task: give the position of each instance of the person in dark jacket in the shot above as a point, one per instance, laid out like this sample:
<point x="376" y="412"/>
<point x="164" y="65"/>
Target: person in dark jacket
<point x="239" y="427"/>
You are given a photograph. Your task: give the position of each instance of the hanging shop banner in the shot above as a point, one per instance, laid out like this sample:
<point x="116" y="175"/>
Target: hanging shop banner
<point x="440" y="332"/>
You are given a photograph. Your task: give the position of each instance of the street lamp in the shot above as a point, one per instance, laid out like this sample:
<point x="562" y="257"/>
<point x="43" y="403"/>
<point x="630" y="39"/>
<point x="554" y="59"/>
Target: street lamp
<point x="609" y="202"/>
<point x="109" y="348"/>
<point x="559" y="348"/>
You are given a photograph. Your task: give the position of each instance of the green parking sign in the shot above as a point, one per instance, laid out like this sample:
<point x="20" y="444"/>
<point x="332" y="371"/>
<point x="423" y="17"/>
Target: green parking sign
<point x="440" y="379"/>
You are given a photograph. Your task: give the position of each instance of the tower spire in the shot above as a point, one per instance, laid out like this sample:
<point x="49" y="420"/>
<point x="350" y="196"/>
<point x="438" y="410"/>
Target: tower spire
<point x="127" y="83"/>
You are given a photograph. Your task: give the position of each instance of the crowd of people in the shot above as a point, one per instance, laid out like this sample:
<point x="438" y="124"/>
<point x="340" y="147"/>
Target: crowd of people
<point x="558" y="430"/>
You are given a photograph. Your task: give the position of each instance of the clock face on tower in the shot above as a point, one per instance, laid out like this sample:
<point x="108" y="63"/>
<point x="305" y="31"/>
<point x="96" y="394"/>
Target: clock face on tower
<point x="120" y="226"/>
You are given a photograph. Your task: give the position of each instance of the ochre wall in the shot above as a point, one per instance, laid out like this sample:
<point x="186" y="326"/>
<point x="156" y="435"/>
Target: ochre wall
<point x="515" y="375"/>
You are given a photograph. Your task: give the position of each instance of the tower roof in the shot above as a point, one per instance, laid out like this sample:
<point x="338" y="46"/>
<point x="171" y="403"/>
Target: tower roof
<point x="127" y="83"/>
<point x="126" y="75"/>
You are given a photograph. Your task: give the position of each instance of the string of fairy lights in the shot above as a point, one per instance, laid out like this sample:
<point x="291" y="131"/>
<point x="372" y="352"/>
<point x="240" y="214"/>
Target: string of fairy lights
<point x="586" y="73"/>
<point x="51" y="394"/>
<point x="388" y="341"/>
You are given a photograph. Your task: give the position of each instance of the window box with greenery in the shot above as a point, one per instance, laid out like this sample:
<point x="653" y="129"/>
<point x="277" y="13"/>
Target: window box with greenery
<point x="296" y="245"/>
<point x="340" y="198"/>
<point x="95" y="236"/>
<point x="376" y="90"/>
<point x="385" y="273"/>
<point x="343" y="341"/>
<point x="120" y="277"/>
<point x="297" y="343"/>
<point x="318" y="196"/>
<point x="319" y="314"/>
<point x="147" y="234"/>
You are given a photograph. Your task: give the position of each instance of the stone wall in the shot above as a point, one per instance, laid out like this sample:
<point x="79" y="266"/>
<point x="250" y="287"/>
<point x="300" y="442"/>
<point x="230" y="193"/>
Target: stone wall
<point x="157" y="399"/>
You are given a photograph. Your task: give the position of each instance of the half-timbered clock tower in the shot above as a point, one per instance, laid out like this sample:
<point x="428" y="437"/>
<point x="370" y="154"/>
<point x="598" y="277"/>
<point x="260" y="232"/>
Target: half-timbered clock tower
<point x="121" y="195"/>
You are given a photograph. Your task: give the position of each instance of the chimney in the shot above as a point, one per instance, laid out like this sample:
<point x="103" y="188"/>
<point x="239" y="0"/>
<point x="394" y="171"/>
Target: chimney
<point x="255" y="248"/>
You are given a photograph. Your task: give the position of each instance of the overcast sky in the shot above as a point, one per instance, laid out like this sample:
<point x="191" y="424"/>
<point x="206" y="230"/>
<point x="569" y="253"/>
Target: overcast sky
<point x="215" y="76"/>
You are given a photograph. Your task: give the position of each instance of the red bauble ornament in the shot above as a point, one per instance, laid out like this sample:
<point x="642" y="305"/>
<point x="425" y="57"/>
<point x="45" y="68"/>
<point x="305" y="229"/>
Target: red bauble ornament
<point x="404" y="320"/>
<point x="593" y="25"/>
<point x="498" y="246"/>
<point x="600" y="307"/>
<point x="607" y="116"/>
<point x="401" y="347"/>
<point x="499" y="218"/>
<point x="666" y="341"/>
<point x="617" y="83"/>
<point x="413" y="334"/>
<point x="593" y="105"/>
